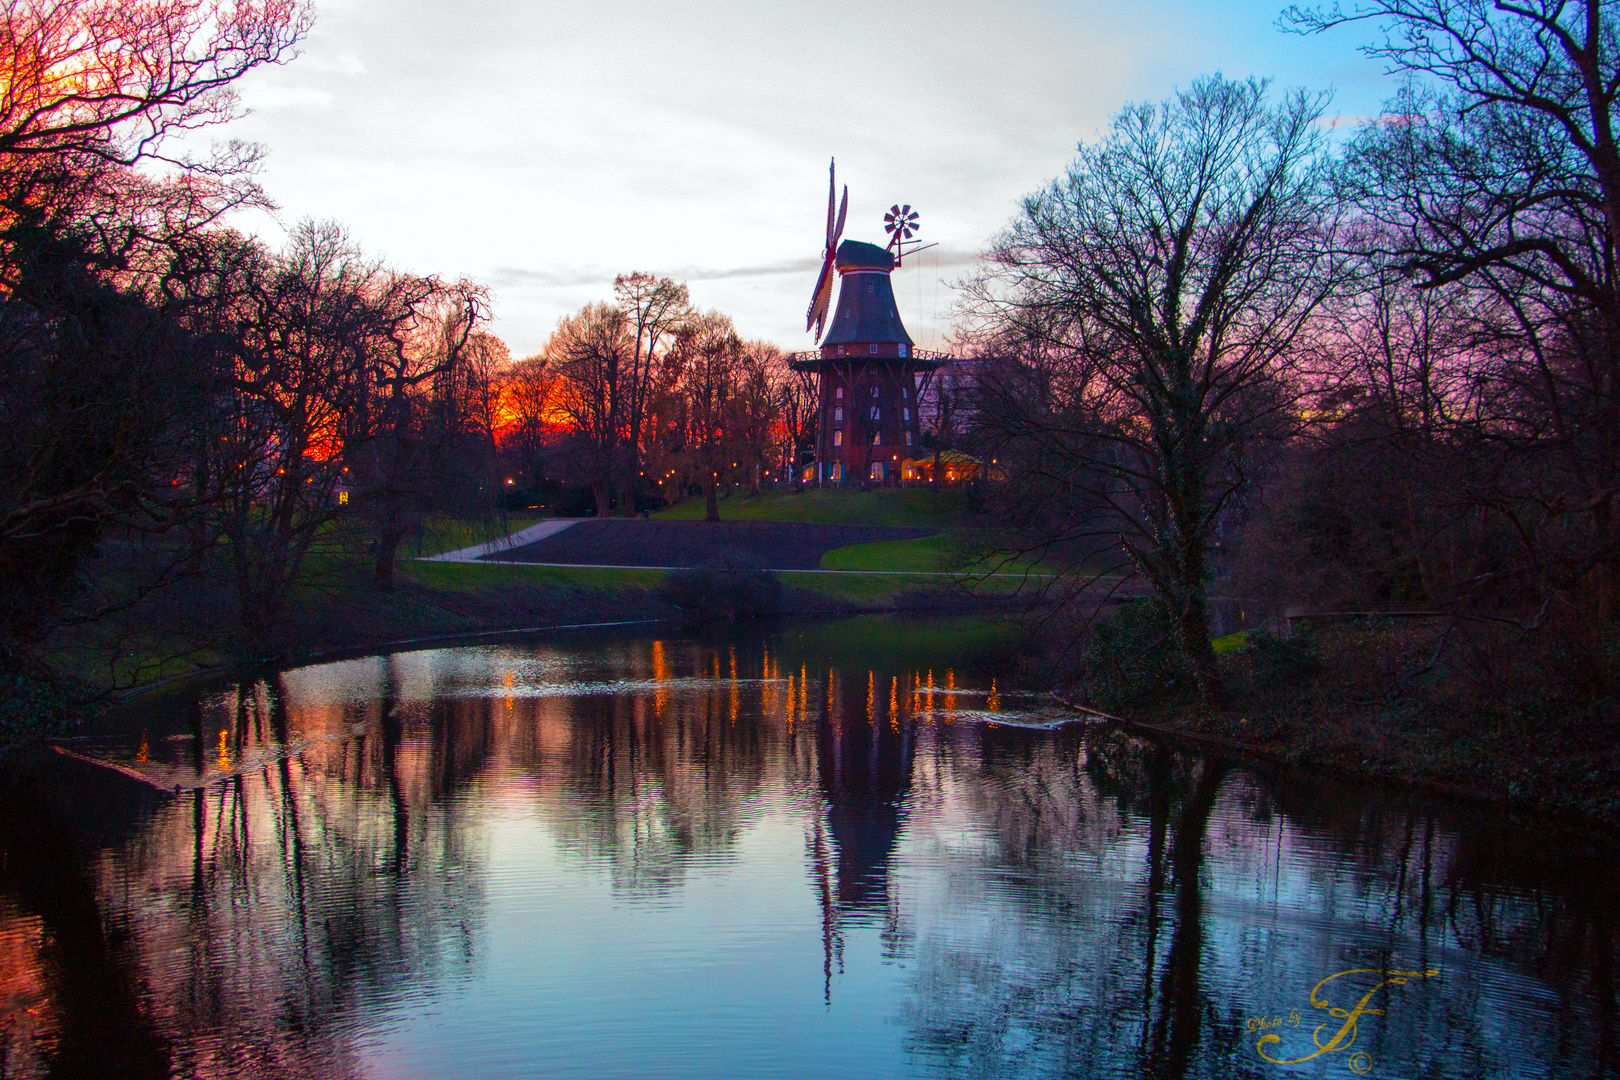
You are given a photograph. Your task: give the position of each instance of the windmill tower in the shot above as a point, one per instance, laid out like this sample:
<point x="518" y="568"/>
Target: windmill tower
<point x="869" y="373"/>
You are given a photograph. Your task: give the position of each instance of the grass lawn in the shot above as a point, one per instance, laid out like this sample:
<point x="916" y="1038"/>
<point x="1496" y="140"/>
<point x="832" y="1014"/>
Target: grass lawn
<point x="910" y="506"/>
<point x="925" y="553"/>
<point x="477" y="576"/>
<point x="940" y="553"/>
<point x="902" y="640"/>
<point x="441" y="534"/>
<point x="856" y="588"/>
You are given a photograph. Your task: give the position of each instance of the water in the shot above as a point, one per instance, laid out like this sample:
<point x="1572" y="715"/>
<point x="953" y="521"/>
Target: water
<point x="832" y="849"/>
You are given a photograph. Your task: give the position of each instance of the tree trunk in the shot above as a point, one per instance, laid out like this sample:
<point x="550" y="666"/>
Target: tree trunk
<point x="711" y="498"/>
<point x="934" y="482"/>
<point x="387" y="549"/>
<point x="604" y="505"/>
<point x="1195" y="640"/>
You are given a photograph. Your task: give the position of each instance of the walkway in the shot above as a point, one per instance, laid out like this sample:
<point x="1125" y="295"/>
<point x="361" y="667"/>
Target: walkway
<point x="506" y="543"/>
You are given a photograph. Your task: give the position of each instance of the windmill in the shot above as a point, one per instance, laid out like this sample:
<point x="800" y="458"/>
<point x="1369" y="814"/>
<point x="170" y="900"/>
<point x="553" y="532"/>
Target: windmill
<point x="821" y="298"/>
<point x="869" y="374"/>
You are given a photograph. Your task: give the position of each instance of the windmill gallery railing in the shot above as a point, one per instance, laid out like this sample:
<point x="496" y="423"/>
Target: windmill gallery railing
<point x="810" y="356"/>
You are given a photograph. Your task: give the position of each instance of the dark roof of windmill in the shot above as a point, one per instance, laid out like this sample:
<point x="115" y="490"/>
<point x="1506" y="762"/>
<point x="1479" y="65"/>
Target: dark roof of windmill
<point x="859" y="253"/>
<point x="866" y="310"/>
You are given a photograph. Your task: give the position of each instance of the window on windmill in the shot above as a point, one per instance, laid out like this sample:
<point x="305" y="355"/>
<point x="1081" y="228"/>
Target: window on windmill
<point x="839" y="393"/>
<point x="838" y="438"/>
<point x="875" y="413"/>
<point x="838" y="413"/>
<point x="902" y="350"/>
<point x="874" y="391"/>
<point x="905" y="414"/>
<point x="908" y="438"/>
<point x="877" y="438"/>
<point x="872" y="348"/>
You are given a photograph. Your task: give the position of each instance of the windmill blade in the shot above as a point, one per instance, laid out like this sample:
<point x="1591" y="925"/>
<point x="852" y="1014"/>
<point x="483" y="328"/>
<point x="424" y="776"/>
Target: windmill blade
<point x="832" y="190"/>
<point x="843" y="211"/>
<point x="816" y="315"/>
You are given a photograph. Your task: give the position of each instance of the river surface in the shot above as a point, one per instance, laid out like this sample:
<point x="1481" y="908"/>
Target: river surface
<point x="831" y="849"/>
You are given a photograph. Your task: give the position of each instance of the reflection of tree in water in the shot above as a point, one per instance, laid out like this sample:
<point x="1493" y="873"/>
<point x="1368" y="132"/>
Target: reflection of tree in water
<point x="240" y="929"/>
<point x="1129" y="909"/>
<point x="1077" y="903"/>
<point x="650" y="780"/>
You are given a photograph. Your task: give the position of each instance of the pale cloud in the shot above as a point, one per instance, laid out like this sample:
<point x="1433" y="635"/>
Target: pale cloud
<point x="545" y="147"/>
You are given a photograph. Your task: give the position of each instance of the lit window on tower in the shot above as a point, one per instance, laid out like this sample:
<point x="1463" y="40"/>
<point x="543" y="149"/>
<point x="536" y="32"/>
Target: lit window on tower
<point x="838" y="438"/>
<point x="838" y="413"/>
<point x="877" y="438"/>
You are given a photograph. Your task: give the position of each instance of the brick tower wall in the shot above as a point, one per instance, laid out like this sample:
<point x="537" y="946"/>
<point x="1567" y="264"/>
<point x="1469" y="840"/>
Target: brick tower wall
<point x="850" y="393"/>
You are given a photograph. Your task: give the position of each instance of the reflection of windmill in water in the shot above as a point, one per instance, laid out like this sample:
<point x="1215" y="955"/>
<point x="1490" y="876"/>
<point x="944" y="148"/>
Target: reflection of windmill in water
<point x="870" y="373"/>
<point x="865" y="748"/>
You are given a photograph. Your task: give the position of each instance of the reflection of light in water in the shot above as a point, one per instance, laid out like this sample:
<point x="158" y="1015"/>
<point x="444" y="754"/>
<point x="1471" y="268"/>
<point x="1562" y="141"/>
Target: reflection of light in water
<point x="509" y="695"/>
<point x="734" y="685"/>
<point x="790" y="704"/>
<point x="871" y="696"/>
<point x="144" y="751"/>
<point x="660" y="676"/>
<point x="995" y="698"/>
<point x="224" y="751"/>
<point x="894" y="703"/>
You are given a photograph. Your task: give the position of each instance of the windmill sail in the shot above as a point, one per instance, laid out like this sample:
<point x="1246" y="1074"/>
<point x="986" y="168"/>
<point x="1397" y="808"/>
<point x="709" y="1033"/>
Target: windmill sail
<point x="821" y="297"/>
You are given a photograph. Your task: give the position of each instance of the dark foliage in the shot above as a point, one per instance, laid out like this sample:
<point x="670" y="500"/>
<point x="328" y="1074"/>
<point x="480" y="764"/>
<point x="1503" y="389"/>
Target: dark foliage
<point x="734" y="585"/>
<point x="1134" y="657"/>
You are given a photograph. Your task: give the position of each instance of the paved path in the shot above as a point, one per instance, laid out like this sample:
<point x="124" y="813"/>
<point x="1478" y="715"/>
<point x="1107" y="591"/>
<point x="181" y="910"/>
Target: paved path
<point x="506" y="543"/>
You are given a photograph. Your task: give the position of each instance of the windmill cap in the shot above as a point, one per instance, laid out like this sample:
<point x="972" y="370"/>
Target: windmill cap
<point x="854" y="254"/>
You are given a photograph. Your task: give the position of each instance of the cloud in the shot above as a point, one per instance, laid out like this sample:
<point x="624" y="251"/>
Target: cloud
<point x="544" y="146"/>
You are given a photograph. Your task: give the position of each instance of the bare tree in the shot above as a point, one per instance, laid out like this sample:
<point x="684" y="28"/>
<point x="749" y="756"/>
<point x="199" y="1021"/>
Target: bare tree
<point x="1149" y="304"/>
<point x="590" y="352"/>
<point x="105" y="392"/>
<point x="801" y="411"/>
<point x="655" y="309"/>
<point x="711" y="356"/>
<point x="527" y="397"/>
<point x="425" y="386"/>
<point x="307" y="328"/>
<point x="755" y="421"/>
<point x="942" y="411"/>
<point x="112" y="81"/>
<point x="1497" y="174"/>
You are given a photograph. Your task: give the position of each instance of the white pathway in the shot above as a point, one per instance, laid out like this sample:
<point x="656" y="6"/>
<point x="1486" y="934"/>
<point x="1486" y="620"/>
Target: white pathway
<point x="506" y="543"/>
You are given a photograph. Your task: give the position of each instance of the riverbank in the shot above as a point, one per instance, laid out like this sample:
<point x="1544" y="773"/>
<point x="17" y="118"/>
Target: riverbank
<point x="440" y="601"/>
<point x="1533" y="729"/>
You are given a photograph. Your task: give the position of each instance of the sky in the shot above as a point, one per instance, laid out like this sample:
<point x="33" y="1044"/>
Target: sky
<point x="541" y="147"/>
